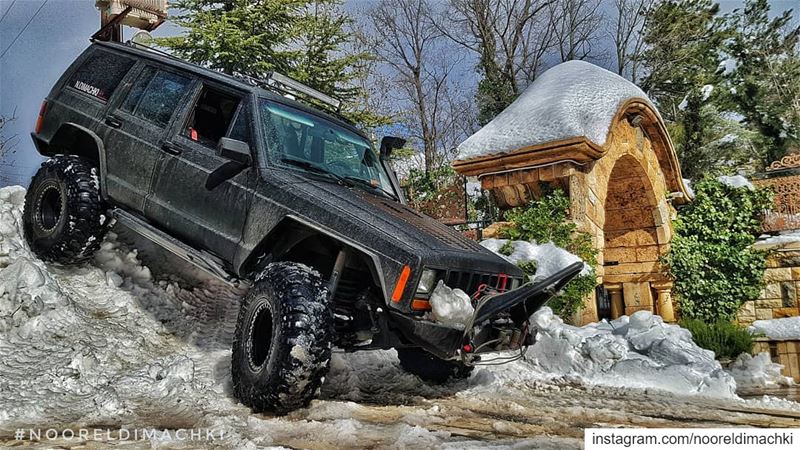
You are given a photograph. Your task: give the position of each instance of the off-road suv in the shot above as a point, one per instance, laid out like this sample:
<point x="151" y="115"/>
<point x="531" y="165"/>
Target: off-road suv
<point x="239" y="178"/>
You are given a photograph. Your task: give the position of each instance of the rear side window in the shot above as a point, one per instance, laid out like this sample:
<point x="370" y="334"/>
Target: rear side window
<point x="100" y="75"/>
<point x="155" y="95"/>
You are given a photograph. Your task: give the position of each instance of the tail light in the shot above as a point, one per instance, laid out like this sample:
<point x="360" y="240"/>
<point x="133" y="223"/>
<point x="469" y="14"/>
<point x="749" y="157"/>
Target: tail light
<point x="40" y="119"/>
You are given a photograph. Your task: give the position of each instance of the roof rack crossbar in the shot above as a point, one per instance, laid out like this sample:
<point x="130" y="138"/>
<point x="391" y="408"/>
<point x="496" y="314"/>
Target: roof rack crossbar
<point x="280" y="82"/>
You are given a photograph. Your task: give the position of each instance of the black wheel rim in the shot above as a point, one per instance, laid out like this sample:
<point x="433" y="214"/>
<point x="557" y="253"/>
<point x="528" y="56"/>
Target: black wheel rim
<point x="51" y="208"/>
<point x="260" y="337"/>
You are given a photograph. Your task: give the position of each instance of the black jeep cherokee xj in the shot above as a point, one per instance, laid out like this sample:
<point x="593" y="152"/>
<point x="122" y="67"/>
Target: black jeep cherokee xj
<point x="239" y="179"/>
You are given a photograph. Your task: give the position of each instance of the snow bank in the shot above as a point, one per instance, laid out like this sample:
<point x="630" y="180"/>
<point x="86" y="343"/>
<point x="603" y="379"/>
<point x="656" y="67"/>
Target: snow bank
<point x="758" y="371"/>
<point x="780" y="329"/>
<point x="640" y="351"/>
<point x="451" y="307"/>
<point x="736" y="181"/>
<point x="572" y="99"/>
<point x="548" y="257"/>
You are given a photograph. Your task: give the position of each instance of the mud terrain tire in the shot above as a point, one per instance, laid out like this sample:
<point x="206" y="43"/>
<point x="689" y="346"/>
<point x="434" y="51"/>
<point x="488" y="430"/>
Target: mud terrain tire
<point x="429" y="367"/>
<point x="64" y="217"/>
<point x="284" y="335"/>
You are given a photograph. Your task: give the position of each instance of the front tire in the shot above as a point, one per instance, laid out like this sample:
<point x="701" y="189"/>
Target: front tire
<point x="64" y="217"/>
<point x="429" y="367"/>
<point x="284" y="335"/>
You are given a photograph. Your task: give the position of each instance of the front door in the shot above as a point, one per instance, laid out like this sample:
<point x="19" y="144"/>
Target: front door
<point x="186" y="201"/>
<point x="134" y="130"/>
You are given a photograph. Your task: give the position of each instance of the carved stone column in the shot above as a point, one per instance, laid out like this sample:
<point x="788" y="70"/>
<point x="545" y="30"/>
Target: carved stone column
<point x="664" y="304"/>
<point x="617" y="306"/>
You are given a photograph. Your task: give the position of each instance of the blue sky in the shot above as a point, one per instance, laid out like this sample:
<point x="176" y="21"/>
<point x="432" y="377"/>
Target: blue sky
<point x="52" y="41"/>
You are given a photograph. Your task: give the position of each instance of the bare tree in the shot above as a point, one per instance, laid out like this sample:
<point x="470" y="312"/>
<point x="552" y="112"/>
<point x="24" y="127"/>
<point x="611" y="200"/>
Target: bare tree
<point x="625" y="27"/>
<point x="510" y="39"/>
<point x="422" y="64"/>
<point x="576" y="28"/>
<point x="6" y="143"/>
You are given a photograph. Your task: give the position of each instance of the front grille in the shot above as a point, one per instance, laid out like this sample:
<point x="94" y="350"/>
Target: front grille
<point x="470" y="282"/>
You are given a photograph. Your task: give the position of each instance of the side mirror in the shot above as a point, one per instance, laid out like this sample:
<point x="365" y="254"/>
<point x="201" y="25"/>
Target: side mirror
<point x="234" y="150"/>
<point x="390" y="143"/>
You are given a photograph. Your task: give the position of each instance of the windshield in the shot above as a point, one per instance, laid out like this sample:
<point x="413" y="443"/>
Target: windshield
<point x="312" y="143"/>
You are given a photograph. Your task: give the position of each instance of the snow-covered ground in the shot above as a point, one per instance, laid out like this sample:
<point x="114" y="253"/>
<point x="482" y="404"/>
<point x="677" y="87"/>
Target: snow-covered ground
<point x="109" y="345"/>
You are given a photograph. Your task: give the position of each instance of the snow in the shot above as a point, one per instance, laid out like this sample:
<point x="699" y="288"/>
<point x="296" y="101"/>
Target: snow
<point x="637" y="351"/>
<point x="548" y="257"/>
<point x="688" y="183"/>
<point x="787" y="328"/>
<point x="572" y="99"/>
<point x="728" y="66"/>
<point x="109" y="344"/>
<point x="451" y="307"/>
<point x="758" y="371"/>
<point x="766" y="242"/>
<point x="736" y="181"/>
<point x="707" y="90"/>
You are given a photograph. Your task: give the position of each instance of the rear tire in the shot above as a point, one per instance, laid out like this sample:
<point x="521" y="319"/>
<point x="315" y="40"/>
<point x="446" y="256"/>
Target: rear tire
<point x="64" y="217"/>
<point x="284" y="335"/>
<point x="429" y="367"/>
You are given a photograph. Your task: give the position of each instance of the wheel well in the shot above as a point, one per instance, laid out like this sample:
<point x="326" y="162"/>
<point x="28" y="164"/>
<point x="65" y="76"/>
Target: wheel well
<point x="74" y="141"/>
<point x="292" y="241"/>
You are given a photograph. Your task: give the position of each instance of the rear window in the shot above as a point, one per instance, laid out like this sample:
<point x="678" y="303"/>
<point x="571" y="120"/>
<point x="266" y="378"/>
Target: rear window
<point x="100" y="75"/>
<point x="155" y="94"/>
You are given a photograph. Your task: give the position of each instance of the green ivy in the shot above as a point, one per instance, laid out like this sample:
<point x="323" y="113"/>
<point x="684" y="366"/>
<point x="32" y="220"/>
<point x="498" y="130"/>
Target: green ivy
<point x="545" y="220"/>
<point x="711" y="256"/>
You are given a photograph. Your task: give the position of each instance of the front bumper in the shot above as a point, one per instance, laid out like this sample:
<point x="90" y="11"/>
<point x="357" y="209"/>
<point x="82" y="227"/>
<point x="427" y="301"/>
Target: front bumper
<point x="499" y="322"/>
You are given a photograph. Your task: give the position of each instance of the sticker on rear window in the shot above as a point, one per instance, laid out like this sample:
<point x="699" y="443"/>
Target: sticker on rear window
<point x="89" y="89"/>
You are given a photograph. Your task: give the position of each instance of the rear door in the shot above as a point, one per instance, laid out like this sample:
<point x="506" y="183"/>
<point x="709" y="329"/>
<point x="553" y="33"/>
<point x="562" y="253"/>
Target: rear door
<point x="87" y="90"/>
<point x="185" y="201"/>
<point x="133" y="132"/>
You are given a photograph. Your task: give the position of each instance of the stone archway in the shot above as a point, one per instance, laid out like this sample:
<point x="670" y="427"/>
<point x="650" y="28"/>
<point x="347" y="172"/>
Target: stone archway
<point x="621" y="188"/>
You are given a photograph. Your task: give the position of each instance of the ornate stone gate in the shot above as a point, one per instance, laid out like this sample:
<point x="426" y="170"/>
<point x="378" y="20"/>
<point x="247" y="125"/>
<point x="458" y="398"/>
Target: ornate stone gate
<point x="622" y="183"/>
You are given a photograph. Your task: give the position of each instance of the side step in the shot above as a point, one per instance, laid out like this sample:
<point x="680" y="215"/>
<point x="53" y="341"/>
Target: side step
<point x="200" y="259"/>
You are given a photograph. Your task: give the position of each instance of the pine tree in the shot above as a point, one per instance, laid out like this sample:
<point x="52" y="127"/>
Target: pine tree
<point x="761" y="67"/>
<point x="683" y="38"/>
<point x="308" y="40"/>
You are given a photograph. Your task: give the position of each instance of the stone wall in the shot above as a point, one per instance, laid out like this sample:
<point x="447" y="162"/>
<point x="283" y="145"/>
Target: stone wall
<point x="786" y="353"/>
<point x="779" y="296"/>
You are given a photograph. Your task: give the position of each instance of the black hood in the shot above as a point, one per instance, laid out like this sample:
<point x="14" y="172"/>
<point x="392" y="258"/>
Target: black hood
<point x="368" y="217"/>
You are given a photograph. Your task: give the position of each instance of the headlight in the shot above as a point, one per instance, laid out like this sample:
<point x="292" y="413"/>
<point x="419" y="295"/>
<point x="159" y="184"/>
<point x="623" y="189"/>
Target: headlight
<point x="427" y="283"/>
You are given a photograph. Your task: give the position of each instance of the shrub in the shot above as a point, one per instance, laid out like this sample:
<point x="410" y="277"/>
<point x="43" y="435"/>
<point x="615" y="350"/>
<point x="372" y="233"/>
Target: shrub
<point x="725" y="339"/>
<point x="711" y="256"/>
<point x="545" y="220"/>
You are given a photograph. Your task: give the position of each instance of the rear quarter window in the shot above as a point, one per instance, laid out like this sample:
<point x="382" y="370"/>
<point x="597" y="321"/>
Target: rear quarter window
<point x="100" y="75"/>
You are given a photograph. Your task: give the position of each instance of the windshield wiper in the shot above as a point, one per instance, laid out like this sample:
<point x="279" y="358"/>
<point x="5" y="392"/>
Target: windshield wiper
<point x="372" y="187"/>
<point x="348" y="180"/>
<point x="311" y="167"/>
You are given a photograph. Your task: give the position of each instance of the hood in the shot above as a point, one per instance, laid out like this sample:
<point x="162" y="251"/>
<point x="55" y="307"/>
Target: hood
<point x="372" y="219"/>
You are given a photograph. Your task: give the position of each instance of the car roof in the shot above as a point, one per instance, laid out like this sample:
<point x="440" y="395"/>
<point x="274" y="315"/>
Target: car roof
<point x="239" y="83"/>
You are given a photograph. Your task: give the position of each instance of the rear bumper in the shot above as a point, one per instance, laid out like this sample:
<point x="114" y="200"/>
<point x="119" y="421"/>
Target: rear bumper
<point x="499" y="323"/>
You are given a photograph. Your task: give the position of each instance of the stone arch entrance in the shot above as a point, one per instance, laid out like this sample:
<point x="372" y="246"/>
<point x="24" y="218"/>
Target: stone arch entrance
<point x="622" y="184"/>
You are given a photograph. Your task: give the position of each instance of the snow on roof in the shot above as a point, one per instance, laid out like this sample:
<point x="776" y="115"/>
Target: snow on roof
<point x="572" y="99"/>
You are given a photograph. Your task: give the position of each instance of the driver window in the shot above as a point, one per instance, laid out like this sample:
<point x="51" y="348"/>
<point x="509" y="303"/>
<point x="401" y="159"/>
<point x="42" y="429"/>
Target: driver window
<point x="211" y="117"/>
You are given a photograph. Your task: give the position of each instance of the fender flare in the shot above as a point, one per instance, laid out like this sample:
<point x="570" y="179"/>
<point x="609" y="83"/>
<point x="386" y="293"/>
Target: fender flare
<point x="377" y="266"/>
<point x="101" y="151"/>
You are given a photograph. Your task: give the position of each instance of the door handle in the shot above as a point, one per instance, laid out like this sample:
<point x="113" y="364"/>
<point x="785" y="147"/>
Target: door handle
<point x="113" y="122"/>
<point x="170" y="148"/>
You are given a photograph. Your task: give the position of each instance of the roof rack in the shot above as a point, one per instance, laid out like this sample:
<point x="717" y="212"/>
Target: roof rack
<point x="287" y="85"/>
<point x="274" y="80"/>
